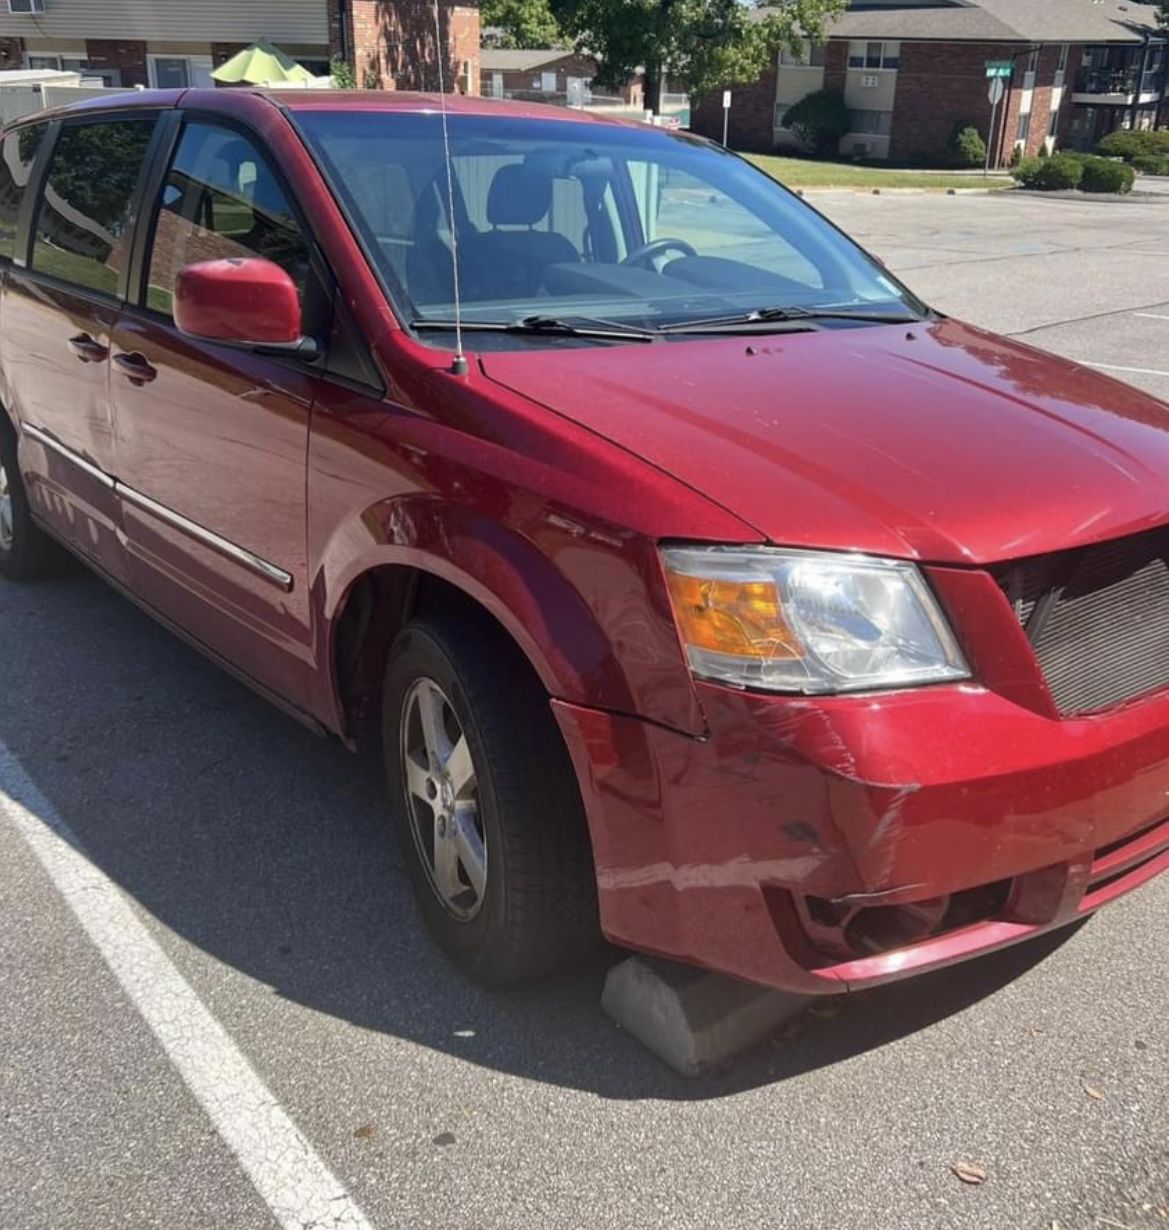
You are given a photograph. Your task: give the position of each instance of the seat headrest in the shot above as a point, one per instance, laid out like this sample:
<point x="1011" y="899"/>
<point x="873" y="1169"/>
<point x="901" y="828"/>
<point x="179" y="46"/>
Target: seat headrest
<point x="519" y="196"/>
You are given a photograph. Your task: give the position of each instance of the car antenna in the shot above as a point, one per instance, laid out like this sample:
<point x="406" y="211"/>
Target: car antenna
<point x="459" y="363"/>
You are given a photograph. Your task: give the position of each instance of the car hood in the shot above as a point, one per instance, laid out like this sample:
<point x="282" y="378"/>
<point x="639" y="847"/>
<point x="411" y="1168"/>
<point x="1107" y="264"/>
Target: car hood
<point x="937" y="442"/>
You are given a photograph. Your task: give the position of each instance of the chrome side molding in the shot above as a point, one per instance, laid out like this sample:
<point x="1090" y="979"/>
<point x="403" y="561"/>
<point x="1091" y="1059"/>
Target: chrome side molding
<point x="198" y="532"/>
<point x="240" y="555"/>
<point x="50" y="442"/>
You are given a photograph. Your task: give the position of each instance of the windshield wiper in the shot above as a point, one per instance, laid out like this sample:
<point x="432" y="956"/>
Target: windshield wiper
<point x="548" y="326"/>
<point x="794" y="314"/>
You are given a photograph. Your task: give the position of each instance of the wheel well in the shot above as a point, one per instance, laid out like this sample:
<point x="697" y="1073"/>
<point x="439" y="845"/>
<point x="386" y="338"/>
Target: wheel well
<point x="380" y="603"/>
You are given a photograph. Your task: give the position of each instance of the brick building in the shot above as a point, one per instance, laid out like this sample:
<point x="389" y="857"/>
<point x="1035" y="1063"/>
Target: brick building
<point x="390" y="44"/>
<point x="910" y="70"/>
<point x="553" y="73"/>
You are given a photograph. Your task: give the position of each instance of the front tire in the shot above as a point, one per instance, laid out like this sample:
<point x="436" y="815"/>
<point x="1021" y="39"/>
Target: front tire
<point x="26" y="553"/>
<point x="487" y="808"/>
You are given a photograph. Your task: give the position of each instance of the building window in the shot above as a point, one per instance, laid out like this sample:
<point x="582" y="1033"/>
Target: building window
<point x="872" y="123"/>
<point x="72" y="64"/>
<point x="1024" y="128"/>
<point x="170" y="72"/>
<point x="1033" y="61"/>
<point x="179" y="72"/>
<point x="809" y="55"/>
<point x="1053" y="126"/>
<point x="1064" y="52"/>
<point x="874" y="55"/>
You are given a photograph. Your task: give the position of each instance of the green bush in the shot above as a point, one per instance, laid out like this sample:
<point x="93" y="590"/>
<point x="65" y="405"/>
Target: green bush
<point x="966" y="148"/>
<point x="1105" y="175"/>
<point x="1050" y="174"/>
<point x="342" y="74"/>
<point x="1023" y="170"/>
<point x="1130" y="145"/>
<point x="820" y="120"/>
<point x="1151" y="164"/>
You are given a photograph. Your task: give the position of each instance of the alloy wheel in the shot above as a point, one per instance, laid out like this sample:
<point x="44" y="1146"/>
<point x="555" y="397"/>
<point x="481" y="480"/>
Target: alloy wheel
<point x="442" y="798"/>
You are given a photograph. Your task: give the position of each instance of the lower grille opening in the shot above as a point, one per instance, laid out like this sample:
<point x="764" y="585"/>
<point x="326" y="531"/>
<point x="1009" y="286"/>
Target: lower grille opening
<point x="1129" y="839"/>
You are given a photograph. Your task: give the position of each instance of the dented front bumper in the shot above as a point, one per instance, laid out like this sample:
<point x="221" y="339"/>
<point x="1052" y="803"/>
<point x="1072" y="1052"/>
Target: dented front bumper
<point x="797" y="841"/>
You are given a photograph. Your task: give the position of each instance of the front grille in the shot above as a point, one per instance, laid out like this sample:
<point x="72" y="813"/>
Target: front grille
<point x="1098" y="619"/>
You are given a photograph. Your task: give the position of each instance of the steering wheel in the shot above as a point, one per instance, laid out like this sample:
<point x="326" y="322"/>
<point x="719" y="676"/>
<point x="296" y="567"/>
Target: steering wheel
<point x="649" y="252"/>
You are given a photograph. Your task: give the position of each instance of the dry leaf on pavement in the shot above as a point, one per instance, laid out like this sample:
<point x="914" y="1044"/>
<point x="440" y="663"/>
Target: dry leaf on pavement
<point x="969" y="1172"/>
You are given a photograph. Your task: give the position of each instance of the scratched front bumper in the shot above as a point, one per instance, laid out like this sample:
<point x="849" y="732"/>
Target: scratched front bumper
<point x="898" y="797"/>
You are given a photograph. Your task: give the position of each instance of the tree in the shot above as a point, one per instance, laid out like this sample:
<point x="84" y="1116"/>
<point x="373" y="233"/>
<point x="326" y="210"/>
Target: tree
<point x="966" y="148"/>
<point x="703" y="44"/>
<point x="1163" y="13"/>
<point x="820" y="120"/>
<point x="525" y="23"/>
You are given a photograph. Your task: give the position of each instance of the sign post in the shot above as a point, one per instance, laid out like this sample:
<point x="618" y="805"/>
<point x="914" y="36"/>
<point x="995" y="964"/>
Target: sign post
<point x="997" y="71"/>
<point x="726" y="114"/>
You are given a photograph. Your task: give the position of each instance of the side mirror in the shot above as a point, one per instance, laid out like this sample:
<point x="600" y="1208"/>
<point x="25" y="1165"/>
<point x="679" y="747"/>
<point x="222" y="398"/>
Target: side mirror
<point x="241" y="301"/>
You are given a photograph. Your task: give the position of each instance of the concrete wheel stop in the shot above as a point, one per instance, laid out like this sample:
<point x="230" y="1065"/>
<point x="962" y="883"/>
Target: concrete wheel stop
<point x="691" y="1019"/>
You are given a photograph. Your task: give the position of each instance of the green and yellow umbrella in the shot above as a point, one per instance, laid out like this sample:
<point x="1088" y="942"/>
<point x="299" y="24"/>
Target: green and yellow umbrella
<point x="261" y="64"/>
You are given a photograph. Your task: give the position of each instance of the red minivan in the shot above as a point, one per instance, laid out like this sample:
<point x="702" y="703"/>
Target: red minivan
<point x="706" y="590"/>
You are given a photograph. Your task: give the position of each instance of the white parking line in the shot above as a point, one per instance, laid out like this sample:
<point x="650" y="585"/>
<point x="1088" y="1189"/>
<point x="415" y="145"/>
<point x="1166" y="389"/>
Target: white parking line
<point x="291" y="1179"/>
<point x="1136" y="371"/>
<point x="1151" y="315"/>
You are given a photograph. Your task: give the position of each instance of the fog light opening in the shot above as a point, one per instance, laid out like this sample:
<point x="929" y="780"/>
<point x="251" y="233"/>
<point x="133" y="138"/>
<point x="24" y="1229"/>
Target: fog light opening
<point x="879" y="928"/>
<point x="829" y="931"/>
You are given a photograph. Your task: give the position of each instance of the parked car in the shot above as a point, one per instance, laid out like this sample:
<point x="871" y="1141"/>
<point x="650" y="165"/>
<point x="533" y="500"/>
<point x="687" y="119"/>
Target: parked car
<point x="705" y="589"/>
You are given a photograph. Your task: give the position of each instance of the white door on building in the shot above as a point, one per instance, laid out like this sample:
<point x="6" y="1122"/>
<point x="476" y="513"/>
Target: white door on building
<point x="496" y="85"/>
<point x="201" y="67"/>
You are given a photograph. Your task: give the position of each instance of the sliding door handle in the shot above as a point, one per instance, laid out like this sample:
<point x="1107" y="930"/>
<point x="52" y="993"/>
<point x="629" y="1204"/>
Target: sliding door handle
<point x="87" y="350"/>
<point x="136" y="367"/>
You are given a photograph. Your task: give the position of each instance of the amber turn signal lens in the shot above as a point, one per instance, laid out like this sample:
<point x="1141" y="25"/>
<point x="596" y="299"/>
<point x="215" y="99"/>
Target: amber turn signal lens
<point x="742" y="618"/>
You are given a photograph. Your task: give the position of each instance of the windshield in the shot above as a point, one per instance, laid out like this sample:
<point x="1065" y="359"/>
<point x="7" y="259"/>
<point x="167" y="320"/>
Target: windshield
<point x="567" y="221"/>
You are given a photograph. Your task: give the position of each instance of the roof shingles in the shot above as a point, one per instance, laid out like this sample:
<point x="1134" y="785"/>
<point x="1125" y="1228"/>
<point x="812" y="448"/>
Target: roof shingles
<point x="1011" y="21"/>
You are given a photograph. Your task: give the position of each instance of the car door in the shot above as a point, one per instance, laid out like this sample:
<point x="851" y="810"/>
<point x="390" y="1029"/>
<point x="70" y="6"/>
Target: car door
<point x="212" y="439"/>
<point x="60" y="303"/>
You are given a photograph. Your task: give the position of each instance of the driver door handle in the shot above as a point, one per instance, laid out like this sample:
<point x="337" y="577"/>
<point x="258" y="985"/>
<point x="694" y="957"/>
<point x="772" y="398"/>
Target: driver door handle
<point x="136" y="366"/>
<point x="87" y="350"/>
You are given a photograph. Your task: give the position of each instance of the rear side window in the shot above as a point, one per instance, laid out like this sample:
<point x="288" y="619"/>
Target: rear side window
<point x="17" y="155"/>
<point x="82" y="230"/>
<point x="221" y="199"/>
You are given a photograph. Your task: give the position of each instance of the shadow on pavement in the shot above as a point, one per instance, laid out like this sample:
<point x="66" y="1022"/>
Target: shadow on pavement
<point x="269" y="849"/>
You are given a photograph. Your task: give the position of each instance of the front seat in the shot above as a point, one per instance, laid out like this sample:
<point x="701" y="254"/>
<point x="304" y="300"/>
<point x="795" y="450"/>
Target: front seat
<point x="513" y="262"/>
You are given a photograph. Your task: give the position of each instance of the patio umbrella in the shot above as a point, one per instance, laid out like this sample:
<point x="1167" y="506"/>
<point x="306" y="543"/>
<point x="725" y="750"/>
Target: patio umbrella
<point x="260" y="64"/>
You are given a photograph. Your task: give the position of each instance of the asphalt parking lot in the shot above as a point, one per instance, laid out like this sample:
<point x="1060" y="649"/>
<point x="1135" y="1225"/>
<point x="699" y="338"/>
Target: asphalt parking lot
<point x="275" y="1042"/>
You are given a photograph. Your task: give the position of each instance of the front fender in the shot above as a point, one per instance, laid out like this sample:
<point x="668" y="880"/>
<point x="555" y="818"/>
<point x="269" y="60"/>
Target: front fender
<point x="549" y="528"/>
<point x="584" y="605"/>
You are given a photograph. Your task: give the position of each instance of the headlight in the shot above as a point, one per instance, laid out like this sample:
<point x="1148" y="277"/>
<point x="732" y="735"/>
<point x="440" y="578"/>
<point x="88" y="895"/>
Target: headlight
<point x="804" y="621"/>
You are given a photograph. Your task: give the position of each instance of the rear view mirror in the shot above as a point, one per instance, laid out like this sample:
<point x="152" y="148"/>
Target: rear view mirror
<point x="241" y="301"/>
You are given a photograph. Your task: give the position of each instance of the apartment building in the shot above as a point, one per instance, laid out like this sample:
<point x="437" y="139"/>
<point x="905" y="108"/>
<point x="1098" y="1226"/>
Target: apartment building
<point x="910" y="70"/>
<point x="390" y="44"/>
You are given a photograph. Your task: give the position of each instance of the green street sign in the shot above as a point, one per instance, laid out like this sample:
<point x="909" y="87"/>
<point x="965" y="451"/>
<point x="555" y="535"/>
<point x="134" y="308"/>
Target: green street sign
<point x="999" y="68"/>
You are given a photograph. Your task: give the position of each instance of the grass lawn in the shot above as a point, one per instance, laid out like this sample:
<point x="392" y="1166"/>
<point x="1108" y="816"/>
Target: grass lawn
<point x="805" y="173"/>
